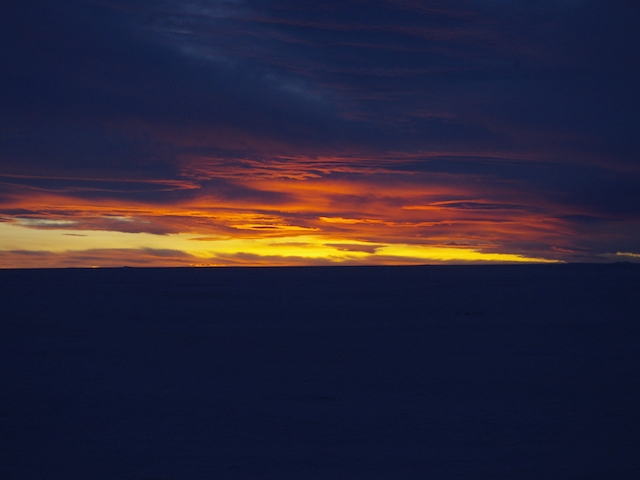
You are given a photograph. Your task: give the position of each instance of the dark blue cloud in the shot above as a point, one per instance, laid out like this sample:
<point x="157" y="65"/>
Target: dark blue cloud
<point x="385" y="74"/>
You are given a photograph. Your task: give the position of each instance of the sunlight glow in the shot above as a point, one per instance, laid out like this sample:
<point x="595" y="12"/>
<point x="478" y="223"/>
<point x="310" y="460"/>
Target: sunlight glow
<point x="287" y="250"/>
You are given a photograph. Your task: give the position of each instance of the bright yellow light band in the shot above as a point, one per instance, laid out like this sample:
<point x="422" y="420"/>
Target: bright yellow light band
<point x="15" y="237"/>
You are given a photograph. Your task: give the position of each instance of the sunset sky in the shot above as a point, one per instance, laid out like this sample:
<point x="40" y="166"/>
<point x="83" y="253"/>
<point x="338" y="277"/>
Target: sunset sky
<point x="276" y="132"/>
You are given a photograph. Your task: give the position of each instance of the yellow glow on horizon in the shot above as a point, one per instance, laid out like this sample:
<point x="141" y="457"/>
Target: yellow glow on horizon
<point x="446" y="254"/>
<point x="297" y="248"/>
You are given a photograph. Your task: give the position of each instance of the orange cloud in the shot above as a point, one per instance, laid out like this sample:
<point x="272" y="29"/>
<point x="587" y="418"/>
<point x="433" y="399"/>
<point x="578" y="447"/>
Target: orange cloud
<point x="290" y="210"/>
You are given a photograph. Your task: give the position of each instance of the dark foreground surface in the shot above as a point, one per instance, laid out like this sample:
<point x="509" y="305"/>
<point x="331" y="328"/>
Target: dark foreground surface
<point x="481" y="372"/>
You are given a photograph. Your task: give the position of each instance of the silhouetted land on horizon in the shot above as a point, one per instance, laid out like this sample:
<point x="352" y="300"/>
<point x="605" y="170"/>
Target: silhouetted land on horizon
<point x="443" y="372"/>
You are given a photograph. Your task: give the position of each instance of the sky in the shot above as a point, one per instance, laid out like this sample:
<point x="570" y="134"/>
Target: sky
<point x="275" y="132"/>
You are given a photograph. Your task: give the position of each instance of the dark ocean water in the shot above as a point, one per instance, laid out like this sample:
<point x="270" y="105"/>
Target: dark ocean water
<point x="444" y="372"/>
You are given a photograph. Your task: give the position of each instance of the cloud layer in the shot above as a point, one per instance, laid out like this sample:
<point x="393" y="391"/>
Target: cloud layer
<point x="500" y="128"/>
